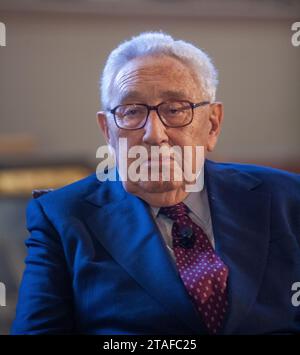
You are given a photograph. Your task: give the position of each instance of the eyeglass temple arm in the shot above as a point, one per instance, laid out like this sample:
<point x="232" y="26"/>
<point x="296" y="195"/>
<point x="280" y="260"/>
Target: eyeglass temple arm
<point x="201" y="104"/>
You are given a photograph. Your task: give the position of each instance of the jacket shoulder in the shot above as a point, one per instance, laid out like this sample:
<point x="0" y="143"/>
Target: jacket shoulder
<point x="70" y="194"/>
<point x="272" y="179"/>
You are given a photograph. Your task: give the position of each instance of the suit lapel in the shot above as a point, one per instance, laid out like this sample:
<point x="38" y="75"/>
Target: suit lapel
<point x="126" y="229"/>
<point x="240" y="217"/>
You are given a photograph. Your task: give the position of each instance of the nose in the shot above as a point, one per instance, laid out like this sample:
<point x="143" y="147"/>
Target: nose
<point x="154" y="130"/>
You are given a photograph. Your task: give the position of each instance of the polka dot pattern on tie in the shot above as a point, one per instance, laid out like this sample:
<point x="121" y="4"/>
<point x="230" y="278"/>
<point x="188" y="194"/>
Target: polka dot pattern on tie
<point x="202" y="271"/>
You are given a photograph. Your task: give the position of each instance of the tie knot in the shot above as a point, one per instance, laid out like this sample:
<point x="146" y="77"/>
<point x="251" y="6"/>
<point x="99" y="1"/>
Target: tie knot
<point x="175" y="212"/>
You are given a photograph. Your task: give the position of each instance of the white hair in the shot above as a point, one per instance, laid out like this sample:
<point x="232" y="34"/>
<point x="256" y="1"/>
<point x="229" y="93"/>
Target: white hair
<point x="158" y="43"/>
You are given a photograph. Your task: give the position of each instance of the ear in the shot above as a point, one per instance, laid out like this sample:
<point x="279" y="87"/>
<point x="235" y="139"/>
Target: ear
<point x="102" y="123"/>
<point x="216" y="119"/>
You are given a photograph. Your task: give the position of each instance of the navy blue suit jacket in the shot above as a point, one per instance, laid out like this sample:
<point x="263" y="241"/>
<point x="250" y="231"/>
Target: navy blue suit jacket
<point x="98" y="264"/>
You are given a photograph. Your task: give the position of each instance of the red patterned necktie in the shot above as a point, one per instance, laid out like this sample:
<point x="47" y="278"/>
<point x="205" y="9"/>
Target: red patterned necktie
<point x="202" y="271"/>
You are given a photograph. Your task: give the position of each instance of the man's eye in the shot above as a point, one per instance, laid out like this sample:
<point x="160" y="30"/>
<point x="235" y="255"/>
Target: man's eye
<point x="132" y="112"/>
<point x="174" y="111"/>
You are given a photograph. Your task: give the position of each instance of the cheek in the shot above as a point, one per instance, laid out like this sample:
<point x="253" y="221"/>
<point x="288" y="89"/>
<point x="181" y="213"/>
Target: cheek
<point x="200" y="130"/>
<point x="124" y="140"/>
<point x="194" y="134"/>
<point x="117" y="133"/>
<point x="133" y="137"/>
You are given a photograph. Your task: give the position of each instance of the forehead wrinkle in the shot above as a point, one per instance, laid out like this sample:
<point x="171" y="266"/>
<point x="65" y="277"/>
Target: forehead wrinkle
<point x="123" y="78"/>
<point x="124" y="82"/>
<point x="138" y="97"/>
<point x="146" y="72"/>
<point x="127" y="82"/>
<point x="139" y="74"/>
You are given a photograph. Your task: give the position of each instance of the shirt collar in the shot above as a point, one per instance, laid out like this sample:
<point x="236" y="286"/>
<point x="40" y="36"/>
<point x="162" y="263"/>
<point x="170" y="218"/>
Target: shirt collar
<point x="195" y="201"/>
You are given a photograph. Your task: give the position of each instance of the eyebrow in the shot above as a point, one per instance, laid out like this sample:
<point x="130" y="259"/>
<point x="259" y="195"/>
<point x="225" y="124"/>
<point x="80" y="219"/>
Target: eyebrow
<point x="174" y="94"/>
<point x="131" y="95"/>
<point x="165" y="95"/>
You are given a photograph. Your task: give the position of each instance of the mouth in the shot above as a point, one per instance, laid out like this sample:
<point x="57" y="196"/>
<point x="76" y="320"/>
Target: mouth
<point x="160" y="161"/>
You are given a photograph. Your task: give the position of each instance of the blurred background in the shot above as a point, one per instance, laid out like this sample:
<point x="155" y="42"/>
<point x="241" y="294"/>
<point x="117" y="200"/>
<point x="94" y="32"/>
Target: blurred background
<point x="49" y="72"/>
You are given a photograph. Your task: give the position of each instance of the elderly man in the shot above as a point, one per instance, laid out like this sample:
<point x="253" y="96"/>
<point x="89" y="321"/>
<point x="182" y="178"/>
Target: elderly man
<point x="149" y="256"/>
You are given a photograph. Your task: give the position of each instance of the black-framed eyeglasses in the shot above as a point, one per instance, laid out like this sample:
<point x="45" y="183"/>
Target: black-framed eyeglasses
<point x="171" y="113"/>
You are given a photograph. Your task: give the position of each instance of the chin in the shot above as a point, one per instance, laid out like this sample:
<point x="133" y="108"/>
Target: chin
<point x="159" y="186"/>
<point x="151" y="186"/>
